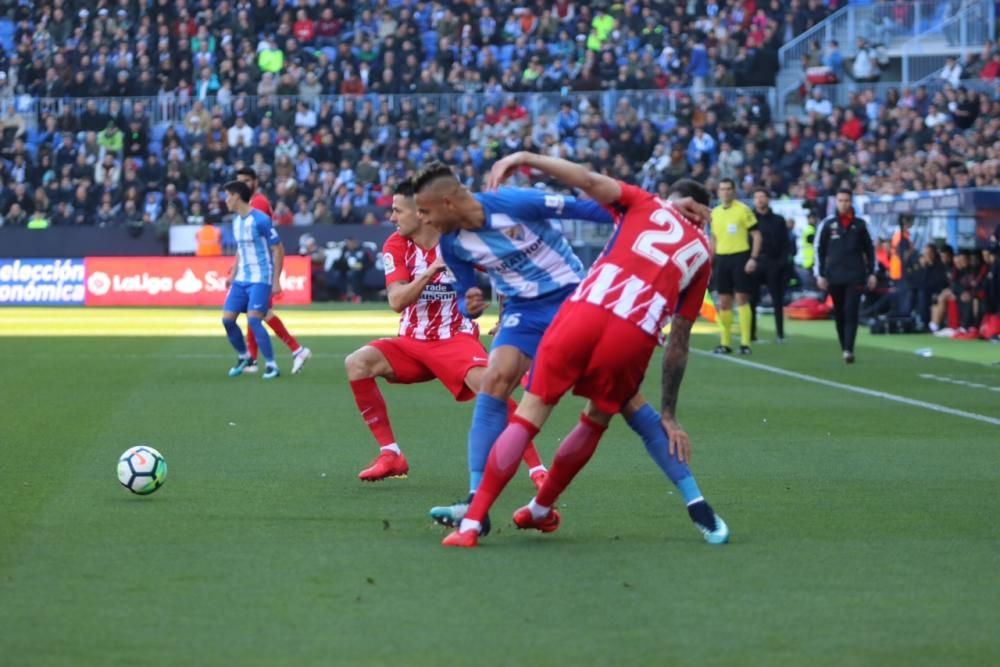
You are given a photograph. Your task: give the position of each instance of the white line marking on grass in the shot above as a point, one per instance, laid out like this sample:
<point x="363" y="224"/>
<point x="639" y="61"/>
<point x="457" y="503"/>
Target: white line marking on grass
<point x="961" y="383"/>
<point x="934" y="407"/>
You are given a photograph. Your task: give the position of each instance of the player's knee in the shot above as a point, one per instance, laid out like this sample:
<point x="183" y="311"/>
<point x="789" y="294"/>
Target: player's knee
<point x="499" y="381"/>
<point x="358" y="366"/>
<point x="596" y="415"/>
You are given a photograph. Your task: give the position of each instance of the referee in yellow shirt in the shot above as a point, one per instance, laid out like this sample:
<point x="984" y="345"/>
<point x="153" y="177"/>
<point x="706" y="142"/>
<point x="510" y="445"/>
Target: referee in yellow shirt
<point x="734" y="227"/>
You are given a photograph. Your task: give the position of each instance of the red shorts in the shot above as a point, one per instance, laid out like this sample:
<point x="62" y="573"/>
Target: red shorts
<point x="593" y="352"/>
<point x="447" y="360"/>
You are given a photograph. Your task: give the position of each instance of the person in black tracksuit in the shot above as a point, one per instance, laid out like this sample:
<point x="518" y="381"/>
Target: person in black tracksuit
<point x="845" y="262"/>
<point x="772" y="266"/>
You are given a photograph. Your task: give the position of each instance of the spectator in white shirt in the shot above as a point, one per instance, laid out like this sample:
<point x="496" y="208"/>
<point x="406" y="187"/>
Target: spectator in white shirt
<point x="951" y="73"/>
<point x="240" y="131"/>
<point x="865" y="67"/>
<point x="935" y="117"/>
<point x="305" y="117"/>
<point x="818" y="105"/>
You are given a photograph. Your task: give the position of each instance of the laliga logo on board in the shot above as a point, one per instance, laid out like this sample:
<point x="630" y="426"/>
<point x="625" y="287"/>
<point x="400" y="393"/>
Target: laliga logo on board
<point x="99" y="283"/>
<point x="188" y="284"/>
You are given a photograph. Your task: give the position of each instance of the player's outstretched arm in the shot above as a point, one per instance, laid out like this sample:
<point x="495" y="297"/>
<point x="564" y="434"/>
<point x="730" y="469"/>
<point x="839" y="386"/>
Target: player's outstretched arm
<point x="675" y="359"/>
<point x="404" y="293"/>
<point x="600" y="188"/>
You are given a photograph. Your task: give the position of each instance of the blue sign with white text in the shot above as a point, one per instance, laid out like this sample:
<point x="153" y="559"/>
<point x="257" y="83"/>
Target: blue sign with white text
<point x="41" y="282"/>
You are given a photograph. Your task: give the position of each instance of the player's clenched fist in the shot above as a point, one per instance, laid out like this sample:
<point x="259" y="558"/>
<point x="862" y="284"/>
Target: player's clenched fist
<point x="437" y="266"/>
<point x="474" y="303"/>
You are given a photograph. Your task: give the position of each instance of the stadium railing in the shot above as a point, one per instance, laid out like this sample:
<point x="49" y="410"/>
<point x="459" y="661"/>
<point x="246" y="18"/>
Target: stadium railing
<point x="656" y="105"/>
<point x="969" y="28"/>
<point x="878" y="22"/>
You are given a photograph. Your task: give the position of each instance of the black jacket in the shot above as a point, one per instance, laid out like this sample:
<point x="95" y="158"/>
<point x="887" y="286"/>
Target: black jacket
<point x="844" y="255"/>
<point x="774" y="233"/>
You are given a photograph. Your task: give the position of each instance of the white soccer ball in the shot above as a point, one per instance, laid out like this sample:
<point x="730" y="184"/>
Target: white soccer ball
<point x="142" y="470"/>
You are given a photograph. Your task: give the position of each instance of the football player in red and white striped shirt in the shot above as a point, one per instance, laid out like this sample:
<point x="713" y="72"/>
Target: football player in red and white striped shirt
<point x="435" y="340"/>
<point x="655" y="267"/>
<point x="300" y="355"/>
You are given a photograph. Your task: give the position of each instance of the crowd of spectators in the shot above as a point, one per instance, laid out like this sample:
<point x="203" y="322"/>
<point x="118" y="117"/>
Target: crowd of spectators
<point x="249" y="83"/>
<point x="948" y="293"/>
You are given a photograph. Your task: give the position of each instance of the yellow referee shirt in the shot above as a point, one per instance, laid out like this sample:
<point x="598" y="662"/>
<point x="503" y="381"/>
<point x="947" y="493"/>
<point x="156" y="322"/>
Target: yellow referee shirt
<point x="731" y="228"/>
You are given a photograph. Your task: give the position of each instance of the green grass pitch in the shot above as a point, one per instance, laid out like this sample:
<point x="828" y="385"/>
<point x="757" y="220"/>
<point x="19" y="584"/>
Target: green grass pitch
<point x="864" y="531"/>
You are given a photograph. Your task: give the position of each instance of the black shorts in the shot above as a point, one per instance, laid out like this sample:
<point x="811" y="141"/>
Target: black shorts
<point x="730" y="276"/>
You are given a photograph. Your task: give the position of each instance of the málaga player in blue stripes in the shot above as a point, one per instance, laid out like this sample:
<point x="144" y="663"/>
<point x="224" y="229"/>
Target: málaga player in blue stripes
<point x="259" y="257"/>
<point x="514" y="234"/>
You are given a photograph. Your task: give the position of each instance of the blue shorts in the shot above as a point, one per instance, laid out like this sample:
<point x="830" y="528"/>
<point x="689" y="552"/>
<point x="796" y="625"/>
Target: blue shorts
<point x="244" y="297"/>
<point x="524" y="321"/>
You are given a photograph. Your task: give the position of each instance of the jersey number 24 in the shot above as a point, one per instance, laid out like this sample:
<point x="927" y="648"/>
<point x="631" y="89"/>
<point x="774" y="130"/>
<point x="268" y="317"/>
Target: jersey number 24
<point x="649" y="244"/>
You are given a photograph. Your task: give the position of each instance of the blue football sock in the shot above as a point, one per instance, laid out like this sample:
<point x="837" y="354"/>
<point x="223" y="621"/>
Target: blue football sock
<point x="646" y="422"/>
<point x="263" y="339"/>
<point x="235" y="336"/>
<point x="489" y="419"/>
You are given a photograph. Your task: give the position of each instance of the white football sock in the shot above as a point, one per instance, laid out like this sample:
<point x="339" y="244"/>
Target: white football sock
<point x="469" y="524"/>
<point x="538" y="511"/>
<point x="537" y="468"/>
<point x="392" y="448"/>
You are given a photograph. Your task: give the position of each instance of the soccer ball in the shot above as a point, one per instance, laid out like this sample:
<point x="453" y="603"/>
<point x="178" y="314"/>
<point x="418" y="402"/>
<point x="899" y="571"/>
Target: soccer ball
<point x="142" y="470"/>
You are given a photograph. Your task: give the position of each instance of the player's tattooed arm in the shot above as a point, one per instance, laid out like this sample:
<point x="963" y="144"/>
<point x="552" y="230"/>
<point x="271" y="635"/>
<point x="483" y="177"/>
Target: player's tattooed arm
<point x="675" y="359"/>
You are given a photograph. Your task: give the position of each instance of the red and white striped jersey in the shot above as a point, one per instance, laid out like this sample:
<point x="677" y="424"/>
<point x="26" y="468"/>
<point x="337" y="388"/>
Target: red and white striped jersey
<point x="435" y="315"/>
<point x="655" y="265"/>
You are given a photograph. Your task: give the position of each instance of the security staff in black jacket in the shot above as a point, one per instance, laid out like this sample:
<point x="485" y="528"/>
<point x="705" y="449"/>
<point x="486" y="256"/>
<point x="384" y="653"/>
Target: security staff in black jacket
<point x="772" y="265"/>
<point x="845" y="261"/>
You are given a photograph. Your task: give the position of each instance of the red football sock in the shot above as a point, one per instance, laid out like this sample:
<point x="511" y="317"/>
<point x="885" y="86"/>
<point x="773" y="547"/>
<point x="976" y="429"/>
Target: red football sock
<point x="531" y="458"/>
<point x="251" y="344"/>
<point x="572" y="455"/>
<point x="501" y="465"/>
<point x="278" y="327"/>
<point x="372" y="406"/>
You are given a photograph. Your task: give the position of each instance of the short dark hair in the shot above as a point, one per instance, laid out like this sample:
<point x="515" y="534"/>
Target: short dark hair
<point x="404" y="188"/>
<point x="240" y="189"/>
<point x="430" y="173"/>
<point x="247" y="171"/>
<point x="687" y="187"/>
<point x="761" y="188"/>
<point x="845" y="191"/>
<point x="728" y="180"/>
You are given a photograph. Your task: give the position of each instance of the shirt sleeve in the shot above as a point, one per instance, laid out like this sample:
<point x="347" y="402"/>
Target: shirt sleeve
<point x="394" y="261"/>
<point x="693" y="297"/>
<point x="819" y="249"/>
<point x="260" y="203"/>
<point x="751" y="219"/>
<point x="266" y="229"/>
<point x="532" y="204"/>
<point x="630" y="196"/>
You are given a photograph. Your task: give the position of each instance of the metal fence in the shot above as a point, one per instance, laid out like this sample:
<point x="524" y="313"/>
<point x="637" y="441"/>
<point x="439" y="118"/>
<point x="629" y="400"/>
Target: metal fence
<point x="840" y="94"/>
<point x="658" y="106"/>
<point x="886" y="23"/>
<point x="969" y="28"/>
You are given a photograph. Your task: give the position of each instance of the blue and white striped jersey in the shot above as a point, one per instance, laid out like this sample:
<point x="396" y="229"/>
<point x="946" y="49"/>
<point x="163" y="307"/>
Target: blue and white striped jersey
<point x="521" y="244"/>
<point x="254" y="237"/>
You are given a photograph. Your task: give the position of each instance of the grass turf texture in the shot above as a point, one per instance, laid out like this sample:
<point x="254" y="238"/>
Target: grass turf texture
<point x="864" y="531"/>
